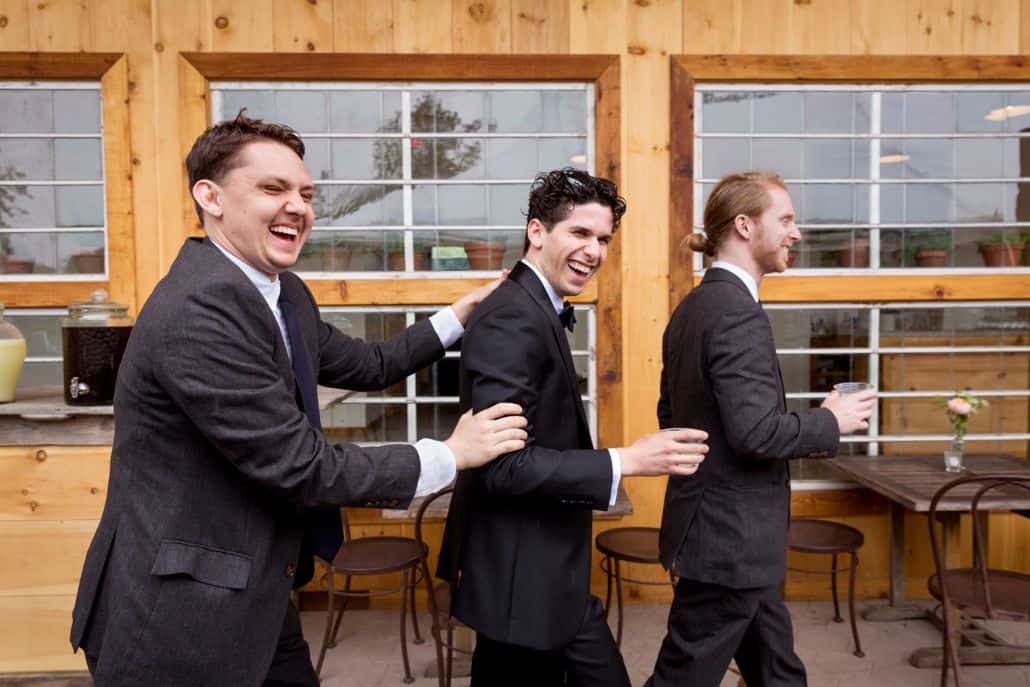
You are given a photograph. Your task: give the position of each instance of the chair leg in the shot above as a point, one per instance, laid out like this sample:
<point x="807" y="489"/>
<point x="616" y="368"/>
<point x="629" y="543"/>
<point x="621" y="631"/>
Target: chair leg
<point x="408" y="679"/>
<point x="851" y="605"/>
<point x="618" y="600"/>
<point x="415" y="579"/>
<point x="328" y="626"/>
<point x="606" y="563"/>
<point x="450" y="654"/>
<point x="339" y="617"/>
<point x="833" y="587"/>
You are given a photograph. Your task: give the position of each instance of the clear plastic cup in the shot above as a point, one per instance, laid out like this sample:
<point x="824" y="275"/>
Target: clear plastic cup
<point x="846" y="388"/>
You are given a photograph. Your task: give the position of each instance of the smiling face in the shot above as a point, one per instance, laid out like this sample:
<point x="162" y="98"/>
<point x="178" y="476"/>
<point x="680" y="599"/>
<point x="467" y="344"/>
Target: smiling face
<point x="774" y="232"/>
<point x="260" y="211"/>
<point x="572" y="251"/>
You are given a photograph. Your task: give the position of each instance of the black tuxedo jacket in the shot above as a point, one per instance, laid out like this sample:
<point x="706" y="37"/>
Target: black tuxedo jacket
<point x="188" y="577"/>
<point x="727" y="524"/>
<point x="517" y="543"/>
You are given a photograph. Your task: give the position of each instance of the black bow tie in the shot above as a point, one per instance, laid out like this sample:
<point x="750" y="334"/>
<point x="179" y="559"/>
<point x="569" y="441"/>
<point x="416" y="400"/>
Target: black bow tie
<point x="567" y="317"/>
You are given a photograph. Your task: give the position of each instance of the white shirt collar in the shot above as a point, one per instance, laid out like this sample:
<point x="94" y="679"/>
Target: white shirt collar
<point x="556" y="300"/>
<point x="742" y="274"/>
<point x="269" y="289"/>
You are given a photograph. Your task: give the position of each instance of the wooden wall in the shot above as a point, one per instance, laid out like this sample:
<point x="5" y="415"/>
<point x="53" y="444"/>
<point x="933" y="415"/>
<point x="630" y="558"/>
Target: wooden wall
<point x="35" y="604"/>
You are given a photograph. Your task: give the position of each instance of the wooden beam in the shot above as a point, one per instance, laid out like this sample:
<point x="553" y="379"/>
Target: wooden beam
<point x="47" y="294"/>
<point x="884" y="288"/>
<point x="375" y="67"/>
<point x="681" y="183"/>
<point x="121" y="223"/>
<point x="836" y="68"/>
<point x="411" y="291"/>
<point x="56" y="65"/>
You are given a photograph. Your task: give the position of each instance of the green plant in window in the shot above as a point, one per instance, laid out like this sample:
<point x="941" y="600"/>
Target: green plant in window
<point x="8" y="211"/>
<point x="928" y="248"/>
<point x="1002" y="248"/>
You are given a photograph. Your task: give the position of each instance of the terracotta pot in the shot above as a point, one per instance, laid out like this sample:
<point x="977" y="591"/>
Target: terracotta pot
<point x="1002" y="254"/>
<point x="485" y="255"/>
<point x="12" y="264"/>
<point x="87" y="262"/>
<point x="931" y="258"/>
<point x="395" y="262"/>
<point x="856" y="255"/>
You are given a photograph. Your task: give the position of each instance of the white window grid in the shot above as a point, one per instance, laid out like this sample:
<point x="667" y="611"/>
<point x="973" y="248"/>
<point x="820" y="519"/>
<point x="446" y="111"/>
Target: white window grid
<point x="407" y="182"/>
<point x="586" y="315"/>
<point x="874" y="181"/>
<point x="99" y="135"/>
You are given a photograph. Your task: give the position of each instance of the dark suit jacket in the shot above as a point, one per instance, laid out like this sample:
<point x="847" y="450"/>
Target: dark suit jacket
<point x="727" y="523"/>
<point x="188" y="576"/>
<point x="516" y="547"/>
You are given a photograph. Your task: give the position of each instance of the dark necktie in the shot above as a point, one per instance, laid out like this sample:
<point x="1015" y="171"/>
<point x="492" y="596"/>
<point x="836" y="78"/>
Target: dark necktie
<point x="324" y="533"/>
<point x="567" y="316"/>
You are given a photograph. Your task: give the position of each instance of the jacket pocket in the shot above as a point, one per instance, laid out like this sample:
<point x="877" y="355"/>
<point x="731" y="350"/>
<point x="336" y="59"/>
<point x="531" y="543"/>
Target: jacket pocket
<point x="211" y="566"/>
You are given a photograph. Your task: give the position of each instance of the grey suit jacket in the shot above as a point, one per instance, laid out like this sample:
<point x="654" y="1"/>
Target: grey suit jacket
<point x="727" y="524"/>
<point x="187" y="579"/>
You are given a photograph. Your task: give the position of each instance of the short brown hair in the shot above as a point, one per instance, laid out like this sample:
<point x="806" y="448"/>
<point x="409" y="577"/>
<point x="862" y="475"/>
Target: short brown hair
<point x="216" y="152"/>
<point x="743" y="193"/>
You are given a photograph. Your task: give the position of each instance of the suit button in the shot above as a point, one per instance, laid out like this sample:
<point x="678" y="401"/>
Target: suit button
<point x="291" y="570"/>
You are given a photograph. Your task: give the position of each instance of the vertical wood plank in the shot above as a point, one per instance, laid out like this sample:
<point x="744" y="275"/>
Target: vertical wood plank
<point x="766" y="27"/>
<point x="121" y="243"/>
<point x="363" y="26"/>
<point x="109" y="25"/>
<point x="15" y="31"/>
<point x="878" y="27"/>
<point x="58" y="25"/>
<point x="712" y="27"/>
<point x="194" y="117"/>
<point x="1024" y="27"/>
<point x="990" y="27"/>
<point x="654" y="31"/>
<point x="597" y="26"/>
<point x="303" y="25"/>
<point x="421" y="26"/>
<point x="540" y="26"/>
<point x="934" y="27"/>
<point x="242" y="25"/>
<point x="481" y="26"/>
<point x="681" y="181"/>
<point x="820" y="27"/>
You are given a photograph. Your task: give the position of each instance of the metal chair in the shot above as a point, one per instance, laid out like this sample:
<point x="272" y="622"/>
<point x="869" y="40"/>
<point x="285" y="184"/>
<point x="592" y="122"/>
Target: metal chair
<point x="373" y="556"/>
<point x="978" y="591"/>
<point x="630" y="544"/>
<point x="439" y="601"/>
<point x="834" y="538"/>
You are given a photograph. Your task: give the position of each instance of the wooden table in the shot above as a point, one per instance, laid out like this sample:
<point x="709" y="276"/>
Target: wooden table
<point x="910" y="483"/>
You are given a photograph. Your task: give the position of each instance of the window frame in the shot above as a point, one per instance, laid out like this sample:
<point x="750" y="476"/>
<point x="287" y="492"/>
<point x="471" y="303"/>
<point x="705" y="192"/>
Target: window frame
<point x="111" y="70"/>
<point x="197" y="70"/>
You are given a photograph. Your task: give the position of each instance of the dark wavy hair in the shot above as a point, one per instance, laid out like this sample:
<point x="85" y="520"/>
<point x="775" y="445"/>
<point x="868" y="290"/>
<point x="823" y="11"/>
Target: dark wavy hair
<point x="216" y="152"/>
<point x="554" y="194"/>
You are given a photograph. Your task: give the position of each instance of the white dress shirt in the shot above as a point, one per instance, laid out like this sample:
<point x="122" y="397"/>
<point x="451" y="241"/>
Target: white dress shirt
<point x="749" y="281"/>
<point x="435" y="458"/>
<point x="558" y="304"/>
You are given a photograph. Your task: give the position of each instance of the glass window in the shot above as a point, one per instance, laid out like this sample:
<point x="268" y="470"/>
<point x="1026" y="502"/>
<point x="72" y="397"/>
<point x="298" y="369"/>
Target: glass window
<point x="416" y="177"/>
<point x="52" y="219"/>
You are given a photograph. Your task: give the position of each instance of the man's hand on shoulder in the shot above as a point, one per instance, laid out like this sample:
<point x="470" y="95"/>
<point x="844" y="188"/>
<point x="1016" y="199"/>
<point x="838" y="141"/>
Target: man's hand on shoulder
<point x="479" y="438"/>
<point x="669" y="452"/>
<point x="464" y="306"/>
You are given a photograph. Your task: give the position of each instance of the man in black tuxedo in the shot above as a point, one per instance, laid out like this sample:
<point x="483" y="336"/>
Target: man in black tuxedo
<point x="724" y="531"/>
<point x="517" y="543"/>
<point x="219" y="470"/>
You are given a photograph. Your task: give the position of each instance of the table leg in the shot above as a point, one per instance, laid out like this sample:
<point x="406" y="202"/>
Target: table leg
<point x="896" y="609"/>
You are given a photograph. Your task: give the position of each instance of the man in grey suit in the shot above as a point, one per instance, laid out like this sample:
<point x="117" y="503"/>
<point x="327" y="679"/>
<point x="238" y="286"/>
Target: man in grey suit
<point x="219" y="471"/>
<point x="724" y="531"/>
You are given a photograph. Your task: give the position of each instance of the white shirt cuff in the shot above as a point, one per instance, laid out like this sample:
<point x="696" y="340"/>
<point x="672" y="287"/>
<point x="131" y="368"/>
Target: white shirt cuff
<point x="437" y="466"/>
<point x="616" y="475"/>
<point x="447" y="326"/>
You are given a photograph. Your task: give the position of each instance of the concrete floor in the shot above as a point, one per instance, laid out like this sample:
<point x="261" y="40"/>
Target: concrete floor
<point x="368" y="654"/>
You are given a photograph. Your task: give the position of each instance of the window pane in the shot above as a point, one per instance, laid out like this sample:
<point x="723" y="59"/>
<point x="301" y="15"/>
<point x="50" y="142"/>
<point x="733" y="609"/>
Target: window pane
<point x="81" y="252"/>
<point x="77" y="159"/>
<point x="516" y="111"/>
<point x="357" y="205"/>
<point x="306" y="111"/>
<point x="365" y="111"/>
<point x="447" y="111"/>
<point x="79" y="206"/>
<point x="436" y="420"/>
<point x="26" y="111"/>
<point x="555" y="153"/>
<point x="259" y="104"/>
<point x="726" y="111"/>
<point x="513" y="158"/>
<point x="77" y="112"/>
<point x="31" y="159"/>
<point x="367" y="158"/>
<point x="778" y="113"/>
<point x="449" y="158"/>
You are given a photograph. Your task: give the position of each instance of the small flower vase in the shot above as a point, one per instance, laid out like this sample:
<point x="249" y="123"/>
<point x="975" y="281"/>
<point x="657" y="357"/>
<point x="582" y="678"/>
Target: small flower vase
<point x="953" y="456"/>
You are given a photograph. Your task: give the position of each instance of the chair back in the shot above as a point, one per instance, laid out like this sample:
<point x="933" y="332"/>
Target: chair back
<point x="987" y="483"/>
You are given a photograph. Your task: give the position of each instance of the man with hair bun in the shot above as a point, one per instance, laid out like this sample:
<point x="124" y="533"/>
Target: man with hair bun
<point x="724" y="531"/>
<point x="517" y="544"/>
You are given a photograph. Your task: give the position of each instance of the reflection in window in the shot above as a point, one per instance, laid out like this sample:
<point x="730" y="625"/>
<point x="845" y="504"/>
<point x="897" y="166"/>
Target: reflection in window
<point x="881" y="176"/>
<point x="421" y="177"/>
<point x="51" y="180"/>
<point x="426" y="403"/>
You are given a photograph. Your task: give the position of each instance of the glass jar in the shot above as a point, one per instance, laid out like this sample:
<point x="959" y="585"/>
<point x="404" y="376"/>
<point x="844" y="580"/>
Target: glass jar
<point x="953" y="456"/>
<point x="12" y="357"/>
<point x="93" y="336"/>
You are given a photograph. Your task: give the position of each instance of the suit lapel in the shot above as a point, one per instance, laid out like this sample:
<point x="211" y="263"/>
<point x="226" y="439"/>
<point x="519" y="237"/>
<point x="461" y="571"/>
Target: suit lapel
<point x="527" y="279"/>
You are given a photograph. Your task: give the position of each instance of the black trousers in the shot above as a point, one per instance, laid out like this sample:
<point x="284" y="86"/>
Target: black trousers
<point x="710" y="624"/>
<point x="291" y="665"/>
<point x="591" y="659"/>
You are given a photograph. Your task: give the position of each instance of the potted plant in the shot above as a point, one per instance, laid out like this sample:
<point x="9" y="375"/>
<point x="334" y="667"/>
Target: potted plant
<point x="10" y="263"/>
<point x="929" y="248"/>
<point x="484" y="251"/>
<point x="395" y="253"/>
<point x="1002" y="249"/>
<point x="854" y="252"/>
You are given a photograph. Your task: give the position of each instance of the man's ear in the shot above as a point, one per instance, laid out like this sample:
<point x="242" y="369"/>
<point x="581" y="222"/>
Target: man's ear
<point x="742" y="226"/>
<point x="535" y="231"/>
<point x="208" y="195"/>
